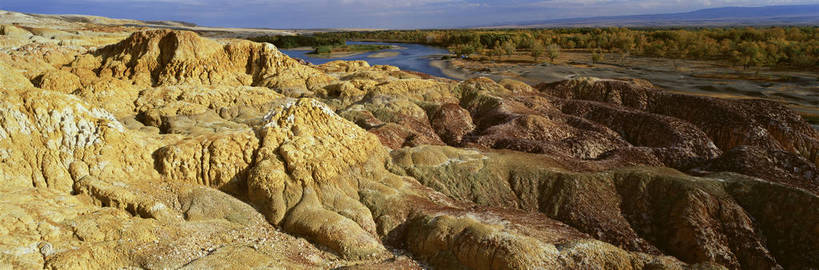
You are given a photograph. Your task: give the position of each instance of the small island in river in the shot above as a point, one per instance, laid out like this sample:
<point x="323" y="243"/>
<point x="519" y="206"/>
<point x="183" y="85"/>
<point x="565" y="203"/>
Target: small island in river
<point x="348" y="50"/>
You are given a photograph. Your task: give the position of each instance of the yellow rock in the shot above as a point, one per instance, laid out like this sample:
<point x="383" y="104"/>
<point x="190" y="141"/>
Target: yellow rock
<point x="227" y="101"/>
<point x="219" y="160"/>
<point x="11" y="78"/>
<point x="58" y="80"/>
<point x="165" y="57"/>
<point x="423" y="90"/>
<point x="315" y="143"/>
<point x="43" y="132"/>
<point x="344" y="66"/>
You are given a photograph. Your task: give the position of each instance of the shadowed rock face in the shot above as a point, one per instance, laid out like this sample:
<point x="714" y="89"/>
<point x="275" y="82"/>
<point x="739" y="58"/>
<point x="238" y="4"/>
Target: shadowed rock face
<point x="175" y="151"/>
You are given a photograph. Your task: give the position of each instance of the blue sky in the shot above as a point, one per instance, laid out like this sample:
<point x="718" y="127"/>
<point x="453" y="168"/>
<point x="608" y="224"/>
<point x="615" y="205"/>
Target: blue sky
<point x="366" y="13"/>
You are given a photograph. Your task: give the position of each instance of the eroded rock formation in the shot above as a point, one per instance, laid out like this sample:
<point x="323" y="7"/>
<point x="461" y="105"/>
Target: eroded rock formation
<point x="168" y="150"/>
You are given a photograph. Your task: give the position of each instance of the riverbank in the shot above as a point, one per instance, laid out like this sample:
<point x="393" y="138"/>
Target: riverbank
<point x="450" y="70"/>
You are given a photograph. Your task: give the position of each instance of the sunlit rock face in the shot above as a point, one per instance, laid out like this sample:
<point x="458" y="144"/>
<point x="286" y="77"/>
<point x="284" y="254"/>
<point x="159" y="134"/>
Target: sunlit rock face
<point x="164" y="149"/>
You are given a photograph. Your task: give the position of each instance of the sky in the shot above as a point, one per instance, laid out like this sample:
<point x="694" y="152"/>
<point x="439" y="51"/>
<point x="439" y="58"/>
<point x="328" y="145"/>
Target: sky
<point x="393" y="14"/>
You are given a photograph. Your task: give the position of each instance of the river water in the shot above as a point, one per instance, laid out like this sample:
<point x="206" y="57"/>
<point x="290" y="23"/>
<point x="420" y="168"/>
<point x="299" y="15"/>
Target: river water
<point x="412" y="57"/>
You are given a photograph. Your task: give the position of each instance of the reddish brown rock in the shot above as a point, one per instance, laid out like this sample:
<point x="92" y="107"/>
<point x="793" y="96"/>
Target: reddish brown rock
<point x="407" y="132"/>
<point x="728" y="123"/>
<point x="533" y="123"/>
<point x="451" y="123"/>
<point x="676" y="143"/>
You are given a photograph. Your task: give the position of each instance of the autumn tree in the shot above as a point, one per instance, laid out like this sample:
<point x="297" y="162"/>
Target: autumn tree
<point x="597" y="56"/>
<point x="751" y="54"/>
<point x="463" y="50"/>
<point x="509" y="48"/>
<point x="526" y="42"/>
<point x="552" y="51"/>
<point x="537" y="49"/>
<point x="497" y="50"/>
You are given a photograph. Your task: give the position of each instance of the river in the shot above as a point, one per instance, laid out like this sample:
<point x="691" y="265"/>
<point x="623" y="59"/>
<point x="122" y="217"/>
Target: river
<point x="414" y="57"/>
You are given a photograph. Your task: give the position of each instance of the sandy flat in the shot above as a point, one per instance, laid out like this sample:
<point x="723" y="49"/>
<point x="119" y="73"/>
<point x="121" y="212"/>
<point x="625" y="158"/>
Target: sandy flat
<point x="384" y="54"/>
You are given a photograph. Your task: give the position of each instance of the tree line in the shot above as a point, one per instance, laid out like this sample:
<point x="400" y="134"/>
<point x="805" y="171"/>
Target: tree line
<point x="784" y="47"/>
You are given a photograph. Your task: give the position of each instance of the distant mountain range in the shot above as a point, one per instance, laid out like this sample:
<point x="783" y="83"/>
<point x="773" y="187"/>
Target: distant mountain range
<point x="724" y="16"/>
